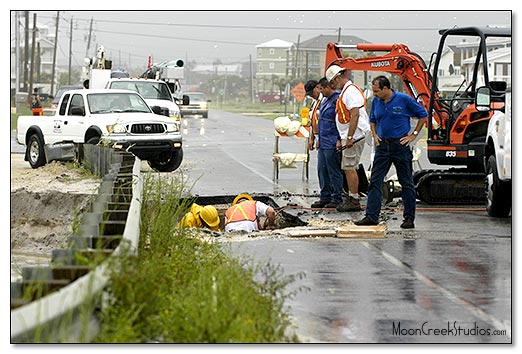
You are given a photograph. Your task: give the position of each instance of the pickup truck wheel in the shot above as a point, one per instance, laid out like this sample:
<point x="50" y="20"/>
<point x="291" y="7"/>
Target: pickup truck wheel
<point x="94" y="140"/>
<point x="167" y="162"/>
<point x="35" y="151"/>
<point x="498" y="193"/>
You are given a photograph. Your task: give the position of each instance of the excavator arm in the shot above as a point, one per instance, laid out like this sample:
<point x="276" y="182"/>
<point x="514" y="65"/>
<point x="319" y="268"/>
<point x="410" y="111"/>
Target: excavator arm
<point x="431" y="186"/>
<point x="398" y="60"/>
<point x="456" y="128"/>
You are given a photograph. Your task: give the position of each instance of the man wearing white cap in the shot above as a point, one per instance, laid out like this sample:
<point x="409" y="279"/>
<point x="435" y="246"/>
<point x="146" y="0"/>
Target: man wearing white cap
<point x="353" y="125"/>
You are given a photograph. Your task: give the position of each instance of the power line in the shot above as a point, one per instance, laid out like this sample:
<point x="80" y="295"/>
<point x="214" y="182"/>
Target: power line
<point x="177" y="38"/>
<point x="258" y="27"/>
<point x="267" y="27"/>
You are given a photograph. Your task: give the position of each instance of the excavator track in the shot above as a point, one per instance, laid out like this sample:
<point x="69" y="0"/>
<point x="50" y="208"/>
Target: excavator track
<point x="451" y="186"/>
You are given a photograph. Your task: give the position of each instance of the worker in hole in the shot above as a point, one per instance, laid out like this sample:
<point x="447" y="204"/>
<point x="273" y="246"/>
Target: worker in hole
<point x="201" y="217"/>
<point x="245" y="214"/>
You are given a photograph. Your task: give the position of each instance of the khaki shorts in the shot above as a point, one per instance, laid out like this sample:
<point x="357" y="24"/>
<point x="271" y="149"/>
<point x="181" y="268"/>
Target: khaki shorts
<point x="352" y="156"/>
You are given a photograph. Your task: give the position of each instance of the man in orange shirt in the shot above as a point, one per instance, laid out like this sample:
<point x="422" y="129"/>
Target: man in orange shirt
<point x="36" y="104"/>
<point x="245" y="213"/>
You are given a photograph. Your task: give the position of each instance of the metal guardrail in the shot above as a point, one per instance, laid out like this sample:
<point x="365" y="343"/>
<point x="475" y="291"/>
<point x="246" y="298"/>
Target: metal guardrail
<point x="61" y="305"/>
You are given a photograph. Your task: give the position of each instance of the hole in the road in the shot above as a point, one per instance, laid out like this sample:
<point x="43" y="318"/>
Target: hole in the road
<point x="222" y="203"/>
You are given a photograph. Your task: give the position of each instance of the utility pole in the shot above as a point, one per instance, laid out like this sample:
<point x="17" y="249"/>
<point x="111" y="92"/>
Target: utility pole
<point x="17" y="52"/>
<point x="88" y="41"/>
<point x="339" y="35"/>
<point x="38" y="62"/>
<point x="54" y="51"/>
<point x="33" y="45"/>
<point x="251" y="79"/>
<point x="306" y="66"/>
<point x="70" y="51"/>
<point x="26" y="52"/>
<point x="296" y="71"/>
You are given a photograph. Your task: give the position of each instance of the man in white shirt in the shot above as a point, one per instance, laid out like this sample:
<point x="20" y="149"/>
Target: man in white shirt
<point x="353" y="125"/>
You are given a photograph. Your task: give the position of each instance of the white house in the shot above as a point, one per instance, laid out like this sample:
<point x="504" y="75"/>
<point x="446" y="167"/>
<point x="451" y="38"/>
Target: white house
<point x="456" y="63"/>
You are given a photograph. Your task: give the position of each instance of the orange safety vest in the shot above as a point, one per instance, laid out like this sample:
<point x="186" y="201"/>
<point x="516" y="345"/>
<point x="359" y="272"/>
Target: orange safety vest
<point x="343" y="113"/>
<point x="37" y="111"/>
<point x="315" y="115"/>
<point x="241" y="212"/>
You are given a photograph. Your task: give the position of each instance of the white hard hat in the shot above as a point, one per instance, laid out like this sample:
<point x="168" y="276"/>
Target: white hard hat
<point x="333" y="71"/>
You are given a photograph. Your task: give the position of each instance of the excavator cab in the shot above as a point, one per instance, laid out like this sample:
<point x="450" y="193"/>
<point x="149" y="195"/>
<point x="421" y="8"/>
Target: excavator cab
<point x="478" y="57"/>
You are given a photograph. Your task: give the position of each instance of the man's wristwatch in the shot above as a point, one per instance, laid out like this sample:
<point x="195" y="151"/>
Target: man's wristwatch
<point x="415" y="132"/>
<point x="349" y="137"/>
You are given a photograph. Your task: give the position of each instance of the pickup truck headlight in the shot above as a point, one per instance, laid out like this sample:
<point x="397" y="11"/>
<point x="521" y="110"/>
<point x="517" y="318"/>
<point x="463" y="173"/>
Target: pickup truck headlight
<point x="175" y="115"/>
<point x="116" y="129"/>
<point x="172" y="128"/>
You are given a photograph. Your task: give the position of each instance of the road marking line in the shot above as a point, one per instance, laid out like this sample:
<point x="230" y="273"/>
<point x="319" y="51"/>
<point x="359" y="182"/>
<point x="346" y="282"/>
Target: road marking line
<point x="248" y="167"/>
<point x="476" y="311"/>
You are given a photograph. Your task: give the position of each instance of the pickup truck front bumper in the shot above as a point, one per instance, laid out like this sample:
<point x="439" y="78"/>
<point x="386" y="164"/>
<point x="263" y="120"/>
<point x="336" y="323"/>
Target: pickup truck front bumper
<point x="145" y="147"/>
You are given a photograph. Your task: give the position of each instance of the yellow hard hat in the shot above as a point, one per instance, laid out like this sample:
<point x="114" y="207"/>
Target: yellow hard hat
<point x="209" y="215"/>
<point x="241" y="196"/>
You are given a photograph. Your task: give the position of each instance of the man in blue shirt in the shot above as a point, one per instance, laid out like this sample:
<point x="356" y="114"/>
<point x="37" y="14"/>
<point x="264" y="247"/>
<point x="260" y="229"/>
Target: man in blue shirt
<point x="328" y="160"/>
<point x="390" y="123"/>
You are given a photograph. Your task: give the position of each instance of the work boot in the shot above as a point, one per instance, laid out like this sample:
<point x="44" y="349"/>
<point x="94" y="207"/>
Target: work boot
<point x="366" y="222"/>
<point x="407" y="223"/>
<point x="319" y="204"/>
<point x="350" y="204"/>
<point x="331" y="205"/>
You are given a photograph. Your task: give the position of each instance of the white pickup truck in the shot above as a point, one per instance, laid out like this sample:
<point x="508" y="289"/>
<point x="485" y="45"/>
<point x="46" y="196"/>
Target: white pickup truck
<point x="118" y="118"/>
<point x="155" y="93"/>
<point x="497" y="157"/>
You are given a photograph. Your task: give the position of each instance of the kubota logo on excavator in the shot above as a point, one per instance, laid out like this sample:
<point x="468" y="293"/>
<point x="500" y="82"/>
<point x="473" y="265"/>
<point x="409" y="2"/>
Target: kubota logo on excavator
<point x="380" y="64"/>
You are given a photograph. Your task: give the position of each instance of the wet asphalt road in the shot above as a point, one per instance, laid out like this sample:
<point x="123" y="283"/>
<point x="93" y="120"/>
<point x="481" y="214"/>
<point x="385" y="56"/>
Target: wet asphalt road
<point x="447" y="281"/>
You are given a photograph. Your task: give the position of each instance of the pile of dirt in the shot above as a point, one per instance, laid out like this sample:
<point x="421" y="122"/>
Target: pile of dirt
<point x="44" y="204"/>
<point x="41" y="222"/>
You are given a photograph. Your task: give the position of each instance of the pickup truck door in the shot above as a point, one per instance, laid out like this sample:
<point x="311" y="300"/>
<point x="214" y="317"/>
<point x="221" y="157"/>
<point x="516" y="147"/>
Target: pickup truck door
<point x="73" y="124"/>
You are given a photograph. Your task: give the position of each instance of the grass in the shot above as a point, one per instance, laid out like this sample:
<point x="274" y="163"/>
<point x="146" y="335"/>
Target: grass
<point x="183" y="288"/>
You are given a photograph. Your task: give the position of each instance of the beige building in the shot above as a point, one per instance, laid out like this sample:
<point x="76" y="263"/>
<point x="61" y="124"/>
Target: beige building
<point x="272" y="60"/>
<point x="278" y="60"/>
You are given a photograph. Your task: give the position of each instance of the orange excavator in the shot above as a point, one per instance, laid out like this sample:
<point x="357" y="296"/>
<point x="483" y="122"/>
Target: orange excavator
<point x="456" y="129"/>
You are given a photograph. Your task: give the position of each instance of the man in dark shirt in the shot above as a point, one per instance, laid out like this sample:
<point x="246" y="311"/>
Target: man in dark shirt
<point x="328" y="162"/>
<point x="390" y="124"/>
<point x="36" y="103"/>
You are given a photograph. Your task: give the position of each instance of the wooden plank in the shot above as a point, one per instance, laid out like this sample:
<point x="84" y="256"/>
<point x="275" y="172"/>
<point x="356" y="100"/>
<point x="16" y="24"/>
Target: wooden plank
<point x="312" y="233"/>
<point x="354" y="231"/>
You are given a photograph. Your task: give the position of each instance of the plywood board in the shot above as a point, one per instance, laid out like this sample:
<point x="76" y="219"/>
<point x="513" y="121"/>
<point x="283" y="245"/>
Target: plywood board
<point x="312" y="233"/>
<point x="354" y="231"/>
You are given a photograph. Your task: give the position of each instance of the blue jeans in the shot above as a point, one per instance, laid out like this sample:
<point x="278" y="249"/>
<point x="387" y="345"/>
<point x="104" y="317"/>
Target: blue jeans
<point x="401" y="157"/>
<point x="330" y="175"/>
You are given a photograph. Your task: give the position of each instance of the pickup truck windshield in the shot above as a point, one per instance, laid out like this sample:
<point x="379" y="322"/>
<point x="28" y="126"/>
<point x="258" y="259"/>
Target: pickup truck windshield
<point x="149" y="90"/>
<point x="102" y="103"/>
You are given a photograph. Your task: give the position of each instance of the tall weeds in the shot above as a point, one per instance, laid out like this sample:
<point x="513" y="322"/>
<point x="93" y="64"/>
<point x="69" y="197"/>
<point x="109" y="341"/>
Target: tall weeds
<point x="183" y="288"/>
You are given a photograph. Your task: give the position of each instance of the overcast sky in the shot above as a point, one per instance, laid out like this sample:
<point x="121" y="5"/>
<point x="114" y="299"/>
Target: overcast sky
<point x="204" y="36"/>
